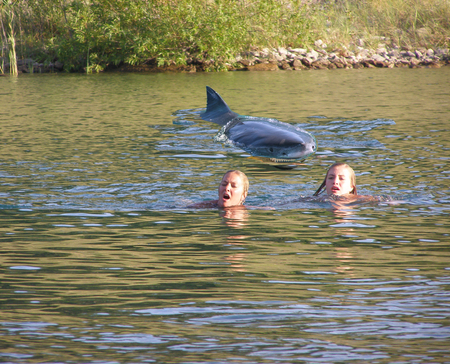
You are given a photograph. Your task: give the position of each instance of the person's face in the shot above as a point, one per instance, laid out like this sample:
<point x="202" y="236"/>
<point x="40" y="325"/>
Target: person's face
<point x="339" y="181"/>
<point x="231" y="190"/>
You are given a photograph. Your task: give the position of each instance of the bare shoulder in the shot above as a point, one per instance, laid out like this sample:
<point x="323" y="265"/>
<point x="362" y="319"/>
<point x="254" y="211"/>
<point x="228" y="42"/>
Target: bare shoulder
<point x="368" y="198"/>
<point x="204" y="205"/>
<point x="349" y="198"/>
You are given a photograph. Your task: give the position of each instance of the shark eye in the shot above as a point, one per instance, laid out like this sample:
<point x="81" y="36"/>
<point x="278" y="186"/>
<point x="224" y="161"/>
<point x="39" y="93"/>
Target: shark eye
<point x="271" y="150"/>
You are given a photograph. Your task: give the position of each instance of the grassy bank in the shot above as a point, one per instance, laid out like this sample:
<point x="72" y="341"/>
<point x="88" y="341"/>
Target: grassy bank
<point x="91" y="35"/>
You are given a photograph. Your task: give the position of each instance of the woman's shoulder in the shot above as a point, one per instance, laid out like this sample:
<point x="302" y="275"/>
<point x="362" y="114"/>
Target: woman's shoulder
<point x="348" y="198"/>
<point x="361" y="198"/>
<point x="376" y="198"/>
<point x="204" y="205"/>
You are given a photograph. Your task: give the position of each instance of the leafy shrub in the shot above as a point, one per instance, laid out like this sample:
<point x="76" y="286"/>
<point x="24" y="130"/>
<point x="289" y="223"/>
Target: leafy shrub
<point x="91" y="35"/>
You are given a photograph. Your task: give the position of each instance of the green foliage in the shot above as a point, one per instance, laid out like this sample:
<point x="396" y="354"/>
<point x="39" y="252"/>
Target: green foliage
<point x="91" y="35"/>
<point x="95" y="34"/>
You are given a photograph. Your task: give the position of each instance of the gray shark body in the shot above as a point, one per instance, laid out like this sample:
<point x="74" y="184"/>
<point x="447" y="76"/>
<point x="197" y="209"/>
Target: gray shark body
<point x="260" y="137"/>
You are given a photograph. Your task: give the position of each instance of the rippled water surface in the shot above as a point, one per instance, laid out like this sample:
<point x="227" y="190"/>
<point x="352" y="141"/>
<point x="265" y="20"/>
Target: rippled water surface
<point x="101" y="261"/>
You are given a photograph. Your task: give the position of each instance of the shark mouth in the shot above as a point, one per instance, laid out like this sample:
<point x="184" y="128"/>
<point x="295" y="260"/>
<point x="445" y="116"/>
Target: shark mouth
<point x="280" y="162"/>
<point x="277" y="160"/>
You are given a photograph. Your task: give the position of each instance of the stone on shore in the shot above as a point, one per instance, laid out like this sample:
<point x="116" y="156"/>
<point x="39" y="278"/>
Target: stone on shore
<point x="319" y="59"/>
<point x="263" y="67"/>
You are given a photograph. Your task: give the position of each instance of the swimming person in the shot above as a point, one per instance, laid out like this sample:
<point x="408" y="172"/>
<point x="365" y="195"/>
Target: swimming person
<point x="233" y="190"/>
<point x="340" y="184"/>
<point x="340" y="180"/>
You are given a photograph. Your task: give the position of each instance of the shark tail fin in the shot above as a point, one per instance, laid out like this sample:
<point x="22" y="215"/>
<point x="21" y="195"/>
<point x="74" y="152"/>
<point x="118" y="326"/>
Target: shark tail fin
<point x="217" y="110"/>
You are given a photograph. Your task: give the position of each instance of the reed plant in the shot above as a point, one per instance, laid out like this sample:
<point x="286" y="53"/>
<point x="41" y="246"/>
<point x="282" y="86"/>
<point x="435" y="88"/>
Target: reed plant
<point x="403" y="23"/>
<point x="7" y="14"/>
<point x="91" y="35"/>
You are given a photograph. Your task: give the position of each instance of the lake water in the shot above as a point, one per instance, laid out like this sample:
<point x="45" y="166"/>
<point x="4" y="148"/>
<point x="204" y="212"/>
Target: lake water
<point x="102" y="263"/>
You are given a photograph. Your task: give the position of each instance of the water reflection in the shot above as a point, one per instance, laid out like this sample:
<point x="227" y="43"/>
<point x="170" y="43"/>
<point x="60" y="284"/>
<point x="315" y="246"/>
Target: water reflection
<point x="345" y="257"/>
<point x="235" y="217"/>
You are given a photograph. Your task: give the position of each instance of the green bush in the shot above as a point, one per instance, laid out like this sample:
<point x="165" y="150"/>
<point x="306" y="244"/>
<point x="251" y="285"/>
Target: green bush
<point x="91" y="35"/>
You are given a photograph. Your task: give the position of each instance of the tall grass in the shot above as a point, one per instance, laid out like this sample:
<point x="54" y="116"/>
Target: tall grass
<point x="7" y="14"/>
<point x="401" y="23"/>
<point x="91" y="35"/>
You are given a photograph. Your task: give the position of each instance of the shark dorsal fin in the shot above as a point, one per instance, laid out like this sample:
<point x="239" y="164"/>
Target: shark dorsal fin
<point x="217" y="110"/>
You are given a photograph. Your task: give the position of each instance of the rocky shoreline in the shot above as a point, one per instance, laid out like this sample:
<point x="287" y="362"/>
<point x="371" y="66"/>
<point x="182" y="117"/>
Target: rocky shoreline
<point x="286" y="59"/>
<point x="301" y="59"/>
<point x="319" y="58"/>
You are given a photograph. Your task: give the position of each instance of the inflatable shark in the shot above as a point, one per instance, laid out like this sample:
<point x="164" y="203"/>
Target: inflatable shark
<point x="261" y="137"/>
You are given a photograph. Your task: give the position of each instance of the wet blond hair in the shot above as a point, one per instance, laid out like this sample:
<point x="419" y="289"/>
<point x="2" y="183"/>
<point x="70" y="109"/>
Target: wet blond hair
<point x="352" y="179"/>
<point x="243" y="177"/>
